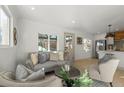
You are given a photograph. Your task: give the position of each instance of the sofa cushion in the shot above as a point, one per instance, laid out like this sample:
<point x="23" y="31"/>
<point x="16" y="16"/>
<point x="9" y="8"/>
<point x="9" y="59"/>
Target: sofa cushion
<point x="43" y="57"/>
<point x="49" y="65"/>
<point x="35" y="76"/>
<point x="60" y="63"/>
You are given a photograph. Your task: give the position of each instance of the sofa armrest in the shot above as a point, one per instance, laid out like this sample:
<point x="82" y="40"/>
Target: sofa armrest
<point x="94" y="72"/>
<point x="108" y="69"/>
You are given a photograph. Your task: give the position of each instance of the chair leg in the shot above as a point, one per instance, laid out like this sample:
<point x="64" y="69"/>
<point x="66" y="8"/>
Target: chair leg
<point x="111" y="84"/>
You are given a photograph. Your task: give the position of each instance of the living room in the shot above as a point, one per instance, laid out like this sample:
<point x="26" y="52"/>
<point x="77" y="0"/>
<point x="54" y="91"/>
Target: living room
<point x="68" y="30"/>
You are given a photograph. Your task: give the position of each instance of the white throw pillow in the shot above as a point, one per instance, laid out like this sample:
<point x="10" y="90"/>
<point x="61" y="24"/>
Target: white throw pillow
<point x="61" y="56"/>
<point x="34" y="58"/>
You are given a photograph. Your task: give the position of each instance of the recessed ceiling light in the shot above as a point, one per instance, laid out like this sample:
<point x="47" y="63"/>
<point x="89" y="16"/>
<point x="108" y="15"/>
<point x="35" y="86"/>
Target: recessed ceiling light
<point x="73" y="21"/>
<point x="32" y="8"/>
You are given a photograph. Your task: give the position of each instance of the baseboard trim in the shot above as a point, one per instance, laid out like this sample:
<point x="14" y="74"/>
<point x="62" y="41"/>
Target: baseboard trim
<point x="78" y="59"/>
<point x="83" y="59"/>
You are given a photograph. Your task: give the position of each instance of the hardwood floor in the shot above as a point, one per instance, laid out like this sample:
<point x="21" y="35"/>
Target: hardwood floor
<point x="118" y="80"/>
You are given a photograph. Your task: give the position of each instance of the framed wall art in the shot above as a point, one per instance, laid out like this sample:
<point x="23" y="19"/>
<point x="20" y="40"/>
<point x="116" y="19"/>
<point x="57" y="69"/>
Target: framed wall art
<point x="15" y="36"/>
<point x="79" y="40"/>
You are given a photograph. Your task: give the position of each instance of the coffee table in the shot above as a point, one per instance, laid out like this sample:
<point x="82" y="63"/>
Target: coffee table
<point x="73" y="72"/>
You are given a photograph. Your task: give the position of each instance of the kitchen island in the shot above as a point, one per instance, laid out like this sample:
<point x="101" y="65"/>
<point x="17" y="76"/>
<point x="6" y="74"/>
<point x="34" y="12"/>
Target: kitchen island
<point x="117" y="54"/>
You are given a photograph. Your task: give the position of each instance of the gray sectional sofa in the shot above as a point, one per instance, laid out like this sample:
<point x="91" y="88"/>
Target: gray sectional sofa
<point x="45" y="62"/>
<point x="28" y="75"/>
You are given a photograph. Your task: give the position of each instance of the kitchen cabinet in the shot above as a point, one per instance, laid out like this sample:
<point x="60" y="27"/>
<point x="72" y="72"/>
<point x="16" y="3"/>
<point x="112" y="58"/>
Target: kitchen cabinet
<point x="119" y="35"/>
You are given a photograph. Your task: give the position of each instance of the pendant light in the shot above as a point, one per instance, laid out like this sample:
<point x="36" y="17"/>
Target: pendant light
<point x="109" y="36"/>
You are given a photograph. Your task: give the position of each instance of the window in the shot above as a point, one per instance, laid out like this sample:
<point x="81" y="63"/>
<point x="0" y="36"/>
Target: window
<point x="43" y="42"/>
<point x="47" y="42"/>
<point x="53" y="43"/>
<point x="5" y="26"/>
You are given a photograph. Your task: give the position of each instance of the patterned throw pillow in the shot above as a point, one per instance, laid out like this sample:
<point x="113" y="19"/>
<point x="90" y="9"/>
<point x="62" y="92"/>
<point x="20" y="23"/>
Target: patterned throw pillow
<point x="34" y="58"/>
<point x="57" y="56"/>
<point x="54" y="56"/>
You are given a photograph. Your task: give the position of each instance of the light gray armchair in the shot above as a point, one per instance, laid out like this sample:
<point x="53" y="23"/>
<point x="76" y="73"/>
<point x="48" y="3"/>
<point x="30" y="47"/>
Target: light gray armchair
<point x="104" y="71"/>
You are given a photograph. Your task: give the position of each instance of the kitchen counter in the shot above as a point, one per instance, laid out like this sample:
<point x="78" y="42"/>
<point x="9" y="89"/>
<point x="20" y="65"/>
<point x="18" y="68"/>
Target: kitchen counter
<point x="117" y="54"/>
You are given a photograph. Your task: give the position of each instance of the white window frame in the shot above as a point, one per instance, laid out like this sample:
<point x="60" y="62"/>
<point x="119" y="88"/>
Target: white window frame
<point x="49" y="42"/>
<point x="8" y="12"/>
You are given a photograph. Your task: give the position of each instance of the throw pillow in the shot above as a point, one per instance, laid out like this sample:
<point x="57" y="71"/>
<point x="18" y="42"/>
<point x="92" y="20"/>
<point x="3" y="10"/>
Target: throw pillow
<point x="54" y="56"/>
<point x="47" y="56"/>
<point x="43" y="57"/>
<point x="61" y="56"/>
<point x="34" y="58"/>
<point x="21" y="72"/>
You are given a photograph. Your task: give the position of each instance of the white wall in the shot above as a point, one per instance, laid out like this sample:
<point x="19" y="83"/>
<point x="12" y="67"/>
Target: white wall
<point x="8" y="55"/>
<point x="100" y="36"/>
<point x="28" y="38"/>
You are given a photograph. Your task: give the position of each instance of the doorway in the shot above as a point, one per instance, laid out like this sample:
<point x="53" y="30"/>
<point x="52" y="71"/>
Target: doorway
<point x="69" y="42"/>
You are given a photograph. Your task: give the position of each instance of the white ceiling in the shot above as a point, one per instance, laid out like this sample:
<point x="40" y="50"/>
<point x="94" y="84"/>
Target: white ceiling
<point x="92" y="18"/>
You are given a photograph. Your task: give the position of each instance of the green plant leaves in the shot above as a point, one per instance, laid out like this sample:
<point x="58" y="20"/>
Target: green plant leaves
<point x="82" y="81"/>
<point x="64" y="74"/>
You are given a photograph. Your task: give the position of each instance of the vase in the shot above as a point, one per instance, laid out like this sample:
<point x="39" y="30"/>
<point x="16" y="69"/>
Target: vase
<point x="68" y="83"/>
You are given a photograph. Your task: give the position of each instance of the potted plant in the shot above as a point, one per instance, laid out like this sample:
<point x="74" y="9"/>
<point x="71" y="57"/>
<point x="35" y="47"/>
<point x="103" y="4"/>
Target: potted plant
<point x="82" y="81"/>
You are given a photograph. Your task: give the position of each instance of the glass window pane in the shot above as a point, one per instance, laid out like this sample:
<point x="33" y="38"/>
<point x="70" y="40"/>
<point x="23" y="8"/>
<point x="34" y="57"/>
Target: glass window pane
<point x="53" y="43"/>
<point x="4" y="28"/>
<point x="43" y="42"/>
